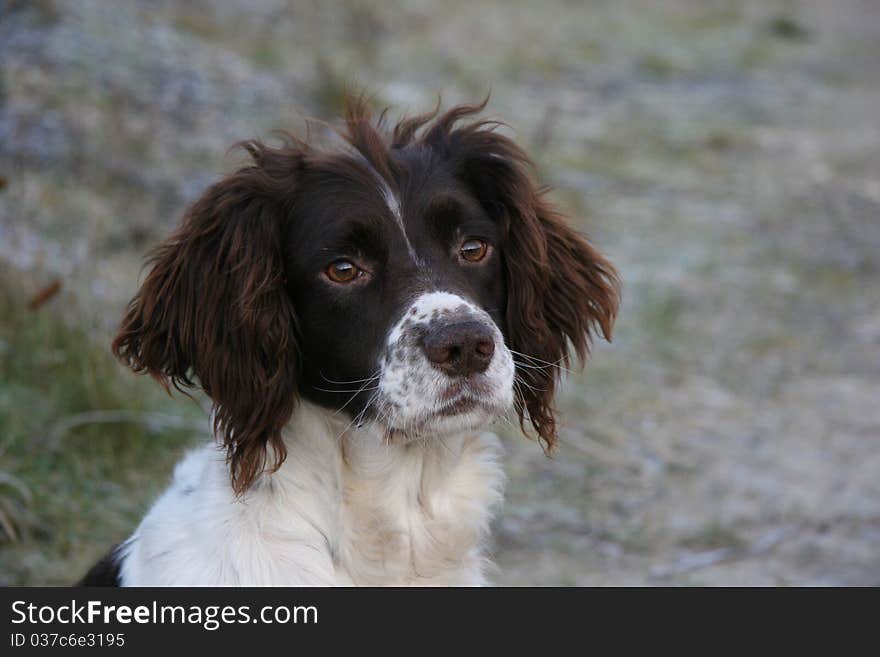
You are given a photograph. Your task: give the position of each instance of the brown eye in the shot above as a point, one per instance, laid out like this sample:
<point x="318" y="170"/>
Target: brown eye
<point x="343" y="271"/>
<point x="474" y="250"/>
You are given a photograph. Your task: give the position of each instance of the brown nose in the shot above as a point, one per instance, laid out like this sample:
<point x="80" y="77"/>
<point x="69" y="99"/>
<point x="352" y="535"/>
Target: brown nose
<point x="460" y="348"/>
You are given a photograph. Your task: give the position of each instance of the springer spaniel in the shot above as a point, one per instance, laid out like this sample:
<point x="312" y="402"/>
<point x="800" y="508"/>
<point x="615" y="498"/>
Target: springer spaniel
<point x="358" y="318"/>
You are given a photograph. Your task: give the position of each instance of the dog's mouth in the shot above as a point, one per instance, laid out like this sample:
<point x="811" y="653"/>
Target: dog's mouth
<point x="462" y="396"/>
<point x="460" y="404"/>
<point x="469" y="387"/>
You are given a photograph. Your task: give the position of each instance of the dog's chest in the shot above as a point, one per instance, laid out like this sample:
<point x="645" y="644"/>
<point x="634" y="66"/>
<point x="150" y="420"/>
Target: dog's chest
<point x="417" y="516"/>
<point x="349" y="513"/>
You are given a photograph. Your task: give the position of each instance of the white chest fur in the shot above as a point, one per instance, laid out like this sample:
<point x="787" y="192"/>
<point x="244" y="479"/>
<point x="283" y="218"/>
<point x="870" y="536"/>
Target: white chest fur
<point x="346" y="510"/>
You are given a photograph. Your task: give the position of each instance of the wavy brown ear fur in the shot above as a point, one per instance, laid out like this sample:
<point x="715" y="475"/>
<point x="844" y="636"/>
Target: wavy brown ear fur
<point x="214" y="308"/>
<point x="561" y="292"/>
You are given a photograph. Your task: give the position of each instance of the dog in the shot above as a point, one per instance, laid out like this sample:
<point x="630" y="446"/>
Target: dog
<point x="359" y="316"/>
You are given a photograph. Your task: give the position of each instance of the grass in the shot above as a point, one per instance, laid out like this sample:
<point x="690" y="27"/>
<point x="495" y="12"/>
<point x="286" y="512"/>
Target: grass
<point x="72" y="480"/>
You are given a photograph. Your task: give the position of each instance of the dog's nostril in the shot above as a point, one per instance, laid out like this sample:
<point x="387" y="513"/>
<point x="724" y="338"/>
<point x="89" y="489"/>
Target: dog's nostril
<point x="437" y="354"/>
<point x="460" y="348"/>
<point x="486" y="347"/>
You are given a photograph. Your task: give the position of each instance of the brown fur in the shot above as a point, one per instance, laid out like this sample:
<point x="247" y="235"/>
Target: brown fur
<point x="214" y="306"/>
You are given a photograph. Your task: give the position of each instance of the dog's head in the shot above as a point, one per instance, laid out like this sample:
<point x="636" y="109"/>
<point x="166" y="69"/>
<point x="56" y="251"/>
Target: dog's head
<point x="416" y="279"/>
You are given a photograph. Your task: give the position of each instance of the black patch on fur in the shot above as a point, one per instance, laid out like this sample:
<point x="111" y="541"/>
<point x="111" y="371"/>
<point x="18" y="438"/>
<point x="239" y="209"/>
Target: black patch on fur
<point x="105" y="572"/>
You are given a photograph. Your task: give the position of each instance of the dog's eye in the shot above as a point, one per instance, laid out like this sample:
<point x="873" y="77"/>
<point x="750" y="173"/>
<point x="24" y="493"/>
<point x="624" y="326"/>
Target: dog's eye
<point x="343" y="271"/>
<point x="473" y="250"/>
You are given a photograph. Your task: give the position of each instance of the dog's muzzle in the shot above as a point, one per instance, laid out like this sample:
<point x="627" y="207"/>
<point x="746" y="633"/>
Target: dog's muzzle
<point x="445" y="368"/>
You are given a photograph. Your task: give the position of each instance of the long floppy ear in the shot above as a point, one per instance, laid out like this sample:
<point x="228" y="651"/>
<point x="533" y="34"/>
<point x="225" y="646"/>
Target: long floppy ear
<point x="561" y="292"/>
<point x="214" y="308"/>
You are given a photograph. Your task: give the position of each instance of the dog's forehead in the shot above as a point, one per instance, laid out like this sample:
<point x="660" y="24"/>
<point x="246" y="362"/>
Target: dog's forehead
<point x="339" y="185"/>
<point x="336" y="203"/>
<point x="391" y="198"/>
<point x="349" y="190"/>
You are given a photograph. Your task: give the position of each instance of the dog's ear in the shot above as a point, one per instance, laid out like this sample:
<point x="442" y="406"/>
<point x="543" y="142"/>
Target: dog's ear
<point x="561" y="292"/>
<point x="213" y="311"/>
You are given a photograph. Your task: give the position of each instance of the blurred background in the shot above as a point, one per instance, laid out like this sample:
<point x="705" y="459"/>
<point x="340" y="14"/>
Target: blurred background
<point x="725" y="156"/>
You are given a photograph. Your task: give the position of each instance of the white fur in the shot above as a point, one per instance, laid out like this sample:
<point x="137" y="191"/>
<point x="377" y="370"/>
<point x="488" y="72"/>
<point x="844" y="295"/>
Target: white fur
<point x="404" y="499"/>
<point x="345" y="509"/>
<point x="410" y="389"/>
